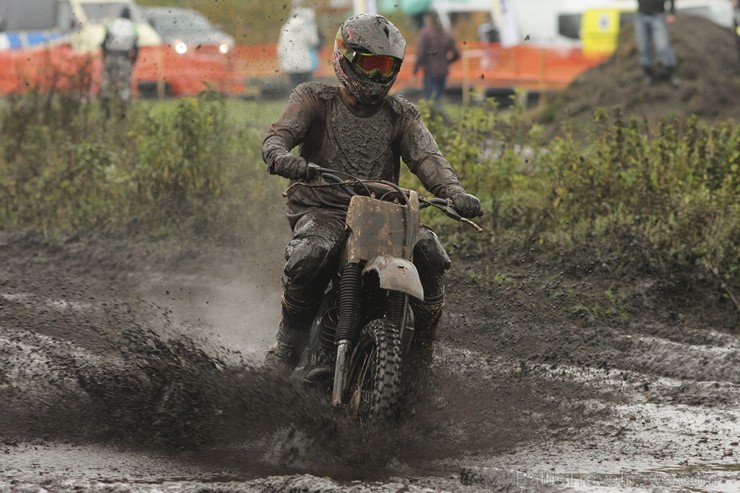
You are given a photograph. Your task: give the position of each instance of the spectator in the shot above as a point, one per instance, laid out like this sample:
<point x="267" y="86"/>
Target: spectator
<point x="736" y="17"/>
<point x="120" y="51"/>
<point x="436" y="49"/>
<point x="651" y="32"/>
<point x="298" y="46"/>
<point x="488" y="31"/>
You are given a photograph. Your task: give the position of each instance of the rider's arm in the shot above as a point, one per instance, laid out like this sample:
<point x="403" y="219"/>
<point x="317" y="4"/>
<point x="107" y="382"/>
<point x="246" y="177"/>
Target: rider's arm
<point x="288" y="132"/>
<point x="422" y="155"/>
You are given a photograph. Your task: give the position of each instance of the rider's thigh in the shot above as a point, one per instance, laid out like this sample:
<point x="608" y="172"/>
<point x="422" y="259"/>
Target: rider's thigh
<point x="313" y="252"/>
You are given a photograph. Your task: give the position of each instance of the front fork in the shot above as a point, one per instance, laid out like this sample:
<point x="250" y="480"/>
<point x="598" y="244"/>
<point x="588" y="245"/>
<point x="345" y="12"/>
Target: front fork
<point x="341" y="372"/>
<point x="350" y="290"/>
<point x="350" y="318"/>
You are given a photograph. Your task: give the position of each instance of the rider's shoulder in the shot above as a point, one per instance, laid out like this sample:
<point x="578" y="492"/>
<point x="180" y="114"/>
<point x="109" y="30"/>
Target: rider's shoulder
<point x="403" y="107"/>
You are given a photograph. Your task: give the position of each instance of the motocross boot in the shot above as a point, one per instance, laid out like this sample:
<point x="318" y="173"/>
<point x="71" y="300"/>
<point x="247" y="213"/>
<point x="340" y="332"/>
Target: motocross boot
<point x="650" y="77"/>
<point x="292" y="335"/>
<point x="426" y="318"/>
<point x="672" y="77"/>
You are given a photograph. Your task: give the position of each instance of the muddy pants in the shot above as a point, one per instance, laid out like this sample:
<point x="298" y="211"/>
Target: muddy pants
<point x="313" y="257"/>
<point x="117" y="70"/>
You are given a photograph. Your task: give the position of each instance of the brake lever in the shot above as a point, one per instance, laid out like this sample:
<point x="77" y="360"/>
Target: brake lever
<point x="313" y="172"/>
<point x="452" y="213"/>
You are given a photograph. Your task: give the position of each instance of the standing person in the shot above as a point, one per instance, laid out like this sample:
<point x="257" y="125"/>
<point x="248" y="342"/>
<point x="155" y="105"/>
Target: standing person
<point x="651" y="33"/>
<point x="354" y="128"/>
<point x="436" y="49"/>
<point x="736" y="19"/>
<point x="488" y="34"/>
<point x="298" y="46"/>
<point x="120" y="51"/>
<point x="488" y="31"/>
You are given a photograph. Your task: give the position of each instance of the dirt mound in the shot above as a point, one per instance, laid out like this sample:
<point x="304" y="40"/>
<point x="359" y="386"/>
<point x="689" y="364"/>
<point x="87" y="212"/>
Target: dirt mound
<point x="708" y="68"/>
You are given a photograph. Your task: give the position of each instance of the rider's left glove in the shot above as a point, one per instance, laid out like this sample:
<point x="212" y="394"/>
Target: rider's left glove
<point x="467" y="205"/>
<point x="289" y="166"/>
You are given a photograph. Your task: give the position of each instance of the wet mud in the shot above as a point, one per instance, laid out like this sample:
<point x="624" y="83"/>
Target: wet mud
<point x="134" y="366"/>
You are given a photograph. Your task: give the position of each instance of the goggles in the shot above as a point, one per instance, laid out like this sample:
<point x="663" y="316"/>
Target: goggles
<point x="367" y="63"/>
<point x="376" y="64"/>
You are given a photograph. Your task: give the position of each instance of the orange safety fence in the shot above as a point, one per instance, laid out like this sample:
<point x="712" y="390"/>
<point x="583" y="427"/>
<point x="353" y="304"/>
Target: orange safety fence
<point x="58" y="68"/>
<point x="160" y="70"/>
<point x="483" y="66"/>
<point x="46" y="69"/>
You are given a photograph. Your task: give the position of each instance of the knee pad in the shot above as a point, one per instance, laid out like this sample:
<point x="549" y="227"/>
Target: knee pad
<point x="430" y="252"/>
<point x="431" y="261"/>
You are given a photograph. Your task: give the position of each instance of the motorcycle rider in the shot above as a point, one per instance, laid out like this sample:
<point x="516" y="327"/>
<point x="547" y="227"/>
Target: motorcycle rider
<point x="354" y="128"/>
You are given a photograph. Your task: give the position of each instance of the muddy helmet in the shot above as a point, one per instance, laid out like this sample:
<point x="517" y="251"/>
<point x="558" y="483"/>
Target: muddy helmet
<point x="368" y="52"/>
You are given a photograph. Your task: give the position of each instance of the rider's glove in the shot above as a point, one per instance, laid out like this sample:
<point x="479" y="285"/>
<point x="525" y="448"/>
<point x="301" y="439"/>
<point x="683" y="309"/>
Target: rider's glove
<point x="467" y="205"/>
<point x="290" y="166"/>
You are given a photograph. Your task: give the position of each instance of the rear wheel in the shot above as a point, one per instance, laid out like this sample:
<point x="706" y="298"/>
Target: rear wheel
<point x="375" y="373"/>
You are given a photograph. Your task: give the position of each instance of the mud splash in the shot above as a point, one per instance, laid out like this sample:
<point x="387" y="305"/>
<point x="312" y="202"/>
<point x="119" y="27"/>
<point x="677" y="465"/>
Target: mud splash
<point x="172" y="393"/>
<point x="167" y="392"/>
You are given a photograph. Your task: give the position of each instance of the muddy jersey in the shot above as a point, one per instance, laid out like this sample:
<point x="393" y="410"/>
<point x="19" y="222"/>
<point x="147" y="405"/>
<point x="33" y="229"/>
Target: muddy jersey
<point x="368" y="146"/>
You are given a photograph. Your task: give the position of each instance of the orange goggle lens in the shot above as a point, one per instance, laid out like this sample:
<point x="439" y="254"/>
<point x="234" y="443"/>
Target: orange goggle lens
<point x="370" y="64"/>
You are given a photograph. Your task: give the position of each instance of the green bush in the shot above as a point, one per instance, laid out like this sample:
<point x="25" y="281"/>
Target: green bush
<point x="173" y="166"/>
<point x="663" y="196"/>
<point x="660" y="196"/>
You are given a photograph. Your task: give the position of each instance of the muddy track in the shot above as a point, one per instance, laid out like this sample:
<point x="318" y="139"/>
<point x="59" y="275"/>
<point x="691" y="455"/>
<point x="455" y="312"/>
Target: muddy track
<point x="130" y="366"/>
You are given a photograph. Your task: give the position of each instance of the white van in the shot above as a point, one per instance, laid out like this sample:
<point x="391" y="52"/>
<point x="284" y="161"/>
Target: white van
<point x="556" y="23"/>
<point x="539" y="22"/>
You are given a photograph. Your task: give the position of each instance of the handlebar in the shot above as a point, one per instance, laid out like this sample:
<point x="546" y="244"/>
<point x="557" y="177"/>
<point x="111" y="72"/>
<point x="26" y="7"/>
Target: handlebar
<point x="387" y="191"/>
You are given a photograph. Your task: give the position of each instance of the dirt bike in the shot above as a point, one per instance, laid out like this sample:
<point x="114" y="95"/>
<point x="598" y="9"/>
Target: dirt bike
<point x="364" y="328"/>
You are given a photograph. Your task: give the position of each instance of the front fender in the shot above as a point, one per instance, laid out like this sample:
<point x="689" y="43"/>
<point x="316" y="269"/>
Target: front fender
<point x="396" y="274"/>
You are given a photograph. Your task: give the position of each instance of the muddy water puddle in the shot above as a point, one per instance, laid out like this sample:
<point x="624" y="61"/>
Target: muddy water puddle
<point x="641" y="446"/>
<point x="175" y="403"/>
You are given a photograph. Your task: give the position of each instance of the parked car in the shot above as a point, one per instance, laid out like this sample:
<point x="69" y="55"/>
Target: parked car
<point x="186" y="30"/>
<point x="90" y="16"/>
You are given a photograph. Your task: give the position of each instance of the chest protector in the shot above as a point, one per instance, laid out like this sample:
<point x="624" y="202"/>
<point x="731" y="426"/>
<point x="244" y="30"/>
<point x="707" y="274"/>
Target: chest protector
<point x="361" y="145"/>
<point x="121" y="35"/>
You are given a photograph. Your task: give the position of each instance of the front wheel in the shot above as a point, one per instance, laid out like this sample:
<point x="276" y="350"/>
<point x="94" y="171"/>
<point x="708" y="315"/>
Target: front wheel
<point x="375" y="373"/>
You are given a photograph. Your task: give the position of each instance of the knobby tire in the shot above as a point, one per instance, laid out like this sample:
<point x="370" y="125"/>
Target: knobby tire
<point x="375" y="375"/>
